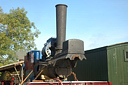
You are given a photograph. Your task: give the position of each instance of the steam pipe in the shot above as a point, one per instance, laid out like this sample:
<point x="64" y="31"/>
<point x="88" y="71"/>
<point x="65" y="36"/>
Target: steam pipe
<point x="61" y="11"/>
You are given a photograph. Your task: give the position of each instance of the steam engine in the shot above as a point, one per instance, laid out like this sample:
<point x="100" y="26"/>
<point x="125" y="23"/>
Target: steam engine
<point x="59" y="56"/>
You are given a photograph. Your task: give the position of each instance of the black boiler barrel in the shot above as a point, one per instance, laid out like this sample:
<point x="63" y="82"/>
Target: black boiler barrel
<point x="61" y="11"/>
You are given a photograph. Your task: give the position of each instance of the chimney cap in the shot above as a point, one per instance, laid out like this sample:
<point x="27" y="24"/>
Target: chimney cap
<point x="61" y="5"/>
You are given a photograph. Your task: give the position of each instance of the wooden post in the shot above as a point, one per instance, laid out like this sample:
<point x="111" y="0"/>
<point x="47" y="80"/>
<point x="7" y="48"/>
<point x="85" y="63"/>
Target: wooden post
<point x="21" y="72"/>
<point x="26" y="77"/>
<point x="17" y="73"/>
<point x="38" y="75"/>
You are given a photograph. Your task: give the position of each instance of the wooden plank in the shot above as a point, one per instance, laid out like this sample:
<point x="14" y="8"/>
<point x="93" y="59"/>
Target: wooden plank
<point x="9" y="66"/>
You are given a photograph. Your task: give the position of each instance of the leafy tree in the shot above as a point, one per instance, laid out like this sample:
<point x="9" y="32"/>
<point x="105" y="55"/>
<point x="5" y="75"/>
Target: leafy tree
<point x="16" y="33"/>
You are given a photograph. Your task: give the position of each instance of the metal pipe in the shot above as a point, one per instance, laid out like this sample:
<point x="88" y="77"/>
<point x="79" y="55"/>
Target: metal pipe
<point x="61" y="11"/>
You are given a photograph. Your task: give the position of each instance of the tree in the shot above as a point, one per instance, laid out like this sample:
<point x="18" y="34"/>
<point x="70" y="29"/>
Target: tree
<point x="16" y="33"/>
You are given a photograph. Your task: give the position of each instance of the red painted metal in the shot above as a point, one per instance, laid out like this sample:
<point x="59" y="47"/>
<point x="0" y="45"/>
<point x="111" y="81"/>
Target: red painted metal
<point x="69" y="83"/>
<point x="2" y="83"/>
<point x="6" y="82"/>
<point x="28" y="64"/>
<point x="11" y="83"/>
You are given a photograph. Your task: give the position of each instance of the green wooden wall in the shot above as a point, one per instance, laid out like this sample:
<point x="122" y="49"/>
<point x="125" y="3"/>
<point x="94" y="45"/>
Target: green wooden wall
<point x="117" y="64"/>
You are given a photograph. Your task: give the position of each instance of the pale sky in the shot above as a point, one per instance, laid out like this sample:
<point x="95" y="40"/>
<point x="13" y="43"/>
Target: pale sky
<point x="97" y="22"/>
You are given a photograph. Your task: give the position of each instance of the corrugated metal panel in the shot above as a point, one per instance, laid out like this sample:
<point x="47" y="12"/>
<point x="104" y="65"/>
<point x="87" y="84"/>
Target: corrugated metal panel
<point x="117" y="66"/>
<point x="94" y="68"/>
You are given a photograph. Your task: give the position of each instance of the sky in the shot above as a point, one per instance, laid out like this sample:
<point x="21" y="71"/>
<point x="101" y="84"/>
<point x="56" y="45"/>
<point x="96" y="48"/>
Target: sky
<point x="97" y="22"/>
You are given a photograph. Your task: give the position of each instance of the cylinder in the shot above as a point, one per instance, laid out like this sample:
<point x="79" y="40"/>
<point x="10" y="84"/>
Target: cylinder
<point x="61" y="11"/>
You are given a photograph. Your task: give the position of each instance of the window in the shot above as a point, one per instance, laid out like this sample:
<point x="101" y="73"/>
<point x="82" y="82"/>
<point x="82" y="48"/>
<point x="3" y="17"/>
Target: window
<point x="28" y="56"/>
<point x="32" y="57"/>
<point x="37" y="54"/>
<point x="126" y="55"/>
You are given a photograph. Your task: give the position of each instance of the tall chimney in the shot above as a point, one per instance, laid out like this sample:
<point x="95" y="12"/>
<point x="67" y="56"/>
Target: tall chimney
<point x="61" y="11"/>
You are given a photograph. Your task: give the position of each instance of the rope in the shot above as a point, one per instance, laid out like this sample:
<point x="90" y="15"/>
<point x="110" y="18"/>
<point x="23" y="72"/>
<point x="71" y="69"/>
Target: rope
<point x="59" y="80"/>
<point x="75" y="78"/>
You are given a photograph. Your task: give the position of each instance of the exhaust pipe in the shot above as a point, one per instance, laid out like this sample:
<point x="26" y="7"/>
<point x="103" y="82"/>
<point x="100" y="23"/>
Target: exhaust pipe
<point x="61" y="11"/>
